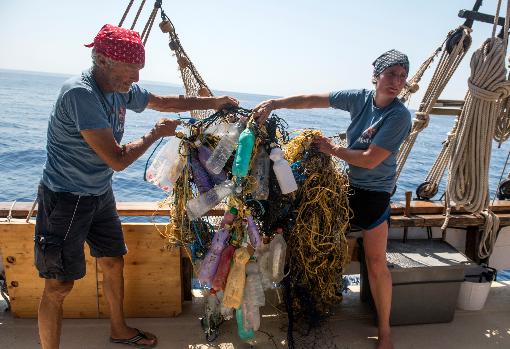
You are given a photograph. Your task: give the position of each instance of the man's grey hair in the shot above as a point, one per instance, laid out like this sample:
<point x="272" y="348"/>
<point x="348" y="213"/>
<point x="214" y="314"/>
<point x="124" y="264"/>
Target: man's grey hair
<point x="95" y="61"/>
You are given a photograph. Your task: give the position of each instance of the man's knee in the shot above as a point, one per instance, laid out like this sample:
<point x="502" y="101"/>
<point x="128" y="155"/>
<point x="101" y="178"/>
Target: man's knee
<point x="57" y="290"/>
<point x="111" y="263"/>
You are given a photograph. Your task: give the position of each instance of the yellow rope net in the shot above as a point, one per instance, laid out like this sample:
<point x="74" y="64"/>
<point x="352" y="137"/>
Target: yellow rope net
<point x="317" y="243"/>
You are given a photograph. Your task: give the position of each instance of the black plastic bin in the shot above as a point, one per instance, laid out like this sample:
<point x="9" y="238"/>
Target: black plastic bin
<point x="426" y="276"/>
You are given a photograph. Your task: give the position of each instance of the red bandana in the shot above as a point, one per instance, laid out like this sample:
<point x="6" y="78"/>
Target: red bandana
<point x="119" y="44"/>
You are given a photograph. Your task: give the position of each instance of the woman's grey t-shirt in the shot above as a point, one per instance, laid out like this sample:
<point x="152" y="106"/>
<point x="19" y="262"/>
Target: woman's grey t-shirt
<point x="71" y="164"/>
<point x="385" y="127"/>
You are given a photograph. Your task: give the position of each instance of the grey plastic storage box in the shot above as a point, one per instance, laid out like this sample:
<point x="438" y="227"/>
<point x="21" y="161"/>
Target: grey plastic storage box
<point x="426" y="277"/>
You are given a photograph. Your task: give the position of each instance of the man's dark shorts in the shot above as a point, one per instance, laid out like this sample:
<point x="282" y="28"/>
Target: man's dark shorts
<point x="370" y="208"/>
<point x="64" y="222"/>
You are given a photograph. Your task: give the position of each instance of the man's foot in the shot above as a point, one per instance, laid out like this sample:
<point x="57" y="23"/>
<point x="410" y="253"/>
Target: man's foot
<point x="384" y="342"/>
<point x="135" y="337"/>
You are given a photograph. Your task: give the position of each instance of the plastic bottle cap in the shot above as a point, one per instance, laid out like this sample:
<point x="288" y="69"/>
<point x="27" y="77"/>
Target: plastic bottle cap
<point x="279" y="230"/>
<point x="212" y="291"/>
<point x="233" y="210"/>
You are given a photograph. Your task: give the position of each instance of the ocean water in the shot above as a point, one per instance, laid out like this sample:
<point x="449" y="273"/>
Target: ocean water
<point x="26" y="100"/>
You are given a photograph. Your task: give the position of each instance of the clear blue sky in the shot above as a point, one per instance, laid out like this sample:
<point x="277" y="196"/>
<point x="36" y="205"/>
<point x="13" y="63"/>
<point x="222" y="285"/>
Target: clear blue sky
<point x="268" y="47"/>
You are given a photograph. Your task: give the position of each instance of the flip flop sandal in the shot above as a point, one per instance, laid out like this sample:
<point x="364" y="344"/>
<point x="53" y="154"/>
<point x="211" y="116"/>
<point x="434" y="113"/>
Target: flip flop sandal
<point x="133" y="341"/>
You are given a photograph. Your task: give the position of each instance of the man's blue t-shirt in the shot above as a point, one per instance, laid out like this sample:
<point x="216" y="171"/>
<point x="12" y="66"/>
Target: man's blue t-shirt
<point x="71" y="164"/>
<point x="385" y="127"/>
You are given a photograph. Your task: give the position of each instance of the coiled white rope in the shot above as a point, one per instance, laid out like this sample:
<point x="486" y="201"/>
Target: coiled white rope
<point x="447" y="65"/>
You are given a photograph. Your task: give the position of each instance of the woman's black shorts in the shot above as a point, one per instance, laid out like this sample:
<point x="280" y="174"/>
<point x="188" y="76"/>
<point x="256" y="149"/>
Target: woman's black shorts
<point x="370" y="208"/>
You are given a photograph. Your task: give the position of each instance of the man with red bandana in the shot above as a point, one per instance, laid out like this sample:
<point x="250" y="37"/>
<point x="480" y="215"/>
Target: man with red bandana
<point x="75" y="198"/>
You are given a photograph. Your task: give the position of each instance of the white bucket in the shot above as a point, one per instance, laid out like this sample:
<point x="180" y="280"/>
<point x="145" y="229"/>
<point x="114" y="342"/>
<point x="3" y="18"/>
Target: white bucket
<point x="472" y="295"/>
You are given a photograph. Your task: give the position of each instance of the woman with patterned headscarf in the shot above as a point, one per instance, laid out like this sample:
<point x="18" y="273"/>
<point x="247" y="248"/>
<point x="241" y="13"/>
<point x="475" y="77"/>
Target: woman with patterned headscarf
<point x="379" y="124"/>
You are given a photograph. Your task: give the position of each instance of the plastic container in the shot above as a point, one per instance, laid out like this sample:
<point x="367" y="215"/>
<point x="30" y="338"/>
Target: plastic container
<point x="224" y="149"/>
<point x="204" y="153"/>
<point x="220" y="278"/>
<point x="475" y="288"/>
<point x="228" y="217"/>
<point x="167" y="166"/>
<point x="242" y="332"/>
<point x="283" y="172"/>
<point x="263" y="259"/>
<point x="212" y="258"/>
<point x="243" y="154"/>
<point x="253" y="291"/>
<point x="278" y="248"/>
<point x="199" y="206"/>
<point x="253" y="232"/>
<point x="200" y="175"/>
<point x="260" y="172"/>
<point x="233" y="293"/>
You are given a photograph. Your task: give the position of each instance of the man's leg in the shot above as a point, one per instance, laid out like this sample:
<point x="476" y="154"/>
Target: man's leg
<point x="374" y="243"/>
<point x="50" y="312"/>
<point x="113" y="268"/>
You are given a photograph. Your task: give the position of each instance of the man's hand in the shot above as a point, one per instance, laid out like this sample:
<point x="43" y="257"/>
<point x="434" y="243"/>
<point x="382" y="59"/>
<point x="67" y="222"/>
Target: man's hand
<point x="224" y="102"/>
<point x="166" y="127"/>
<point x="325" y="145"/>
<point x="262" y="110"/>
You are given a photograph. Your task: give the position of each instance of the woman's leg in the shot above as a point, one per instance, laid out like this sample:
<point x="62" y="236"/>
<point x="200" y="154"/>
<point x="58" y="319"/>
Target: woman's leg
<point x="374" y="243"/>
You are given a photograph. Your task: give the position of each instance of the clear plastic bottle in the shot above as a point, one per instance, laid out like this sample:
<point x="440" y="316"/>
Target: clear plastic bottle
<point x="212" y="258"/>
<point x="278" y="248"/>
<point x="202" y="204"/>
<point x="283" y="172"/>
<point x="263" y="255"/>
<point x="220" y="278"/>
<point x="260" y="172"/>
<point x="200" y="175"/>
<point x="243" y="154"/>
<point x="225" y="147"/>
<point x="233" y="293"/>
<point x="167" y="166"/>
<point x="243" y="333"/>
<point x="212" y="310"/>
<point x="253" y="291"/>
<point x="204" y="153"/>
<point x="253" y="232"/>
<point x="251" y="317"/>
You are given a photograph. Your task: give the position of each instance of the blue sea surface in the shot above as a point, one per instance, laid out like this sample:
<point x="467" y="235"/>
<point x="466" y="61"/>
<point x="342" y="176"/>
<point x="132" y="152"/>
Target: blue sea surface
<point x="26" y="100"/>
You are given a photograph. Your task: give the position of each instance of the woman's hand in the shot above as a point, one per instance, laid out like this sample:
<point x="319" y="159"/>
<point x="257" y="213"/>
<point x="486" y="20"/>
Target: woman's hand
<point x="225" y="102"/>
<point x="325" y="145"/>
<point x="262" y="110"/>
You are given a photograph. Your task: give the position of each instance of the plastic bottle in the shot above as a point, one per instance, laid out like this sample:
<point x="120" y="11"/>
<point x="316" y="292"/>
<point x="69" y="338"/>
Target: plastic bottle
<point x="233" y="293"/>
<point x="204" y="153"/>
<point x="260" y="172"/>
<point x="253" y="232"/>
<point x="243" y="333"/>
<point x="225" y="147"/>
<point x="251" y="317"/>
<point x="253" y="291"/>
<point x="278" y="248"/>
<point x="212" y="258"/>
<point x="212" y="310"/>
<point x="167" y="166"/>
<point x="220" y="278"/>
<point x="243" y="154"/>
<point x="283" y="172"/>
<point x="263" y="255"/>
<point x="228" y="217"/>
<point x="200" y="175"/>
<point x="200" y="205"/>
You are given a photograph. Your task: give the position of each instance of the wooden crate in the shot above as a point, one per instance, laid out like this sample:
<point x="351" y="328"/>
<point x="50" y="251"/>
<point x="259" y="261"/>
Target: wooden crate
<point x="152" y="275"/>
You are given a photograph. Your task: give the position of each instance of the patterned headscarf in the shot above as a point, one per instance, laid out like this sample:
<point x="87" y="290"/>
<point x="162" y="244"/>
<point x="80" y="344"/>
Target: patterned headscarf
<point x="119" y="44"/>
<point x="388" y="59"/>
